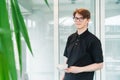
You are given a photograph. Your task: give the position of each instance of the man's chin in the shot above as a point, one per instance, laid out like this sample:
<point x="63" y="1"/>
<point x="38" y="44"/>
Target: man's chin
<point x="78" y="26"/>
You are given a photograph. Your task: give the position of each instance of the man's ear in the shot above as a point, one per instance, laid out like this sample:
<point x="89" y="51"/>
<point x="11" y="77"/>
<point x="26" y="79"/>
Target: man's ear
<point x="88" y="20"/>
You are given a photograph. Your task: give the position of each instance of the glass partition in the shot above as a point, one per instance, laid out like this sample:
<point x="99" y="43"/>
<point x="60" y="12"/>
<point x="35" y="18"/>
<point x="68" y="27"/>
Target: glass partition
<point x="112" y="39"/>
<point x="40" y="66"/>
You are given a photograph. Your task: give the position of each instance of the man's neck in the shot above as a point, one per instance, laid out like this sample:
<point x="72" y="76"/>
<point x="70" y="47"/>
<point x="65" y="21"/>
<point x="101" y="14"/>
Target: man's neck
<point x="80" y="31"/>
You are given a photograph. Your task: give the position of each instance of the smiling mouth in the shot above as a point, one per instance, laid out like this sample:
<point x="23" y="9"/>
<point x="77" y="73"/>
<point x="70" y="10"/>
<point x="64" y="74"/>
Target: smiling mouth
<point x="78" y="24"/>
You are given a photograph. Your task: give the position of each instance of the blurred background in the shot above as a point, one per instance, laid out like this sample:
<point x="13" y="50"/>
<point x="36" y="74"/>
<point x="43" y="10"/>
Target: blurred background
<point x="49" y="28"/>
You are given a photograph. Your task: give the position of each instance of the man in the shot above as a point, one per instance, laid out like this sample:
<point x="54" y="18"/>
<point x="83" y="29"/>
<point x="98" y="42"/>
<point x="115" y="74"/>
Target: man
<point x="83" y="50"/>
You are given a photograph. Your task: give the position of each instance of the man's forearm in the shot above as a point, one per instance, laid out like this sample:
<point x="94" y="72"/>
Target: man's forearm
<point x="88" y="68"/>
<point x="91" y="67"/>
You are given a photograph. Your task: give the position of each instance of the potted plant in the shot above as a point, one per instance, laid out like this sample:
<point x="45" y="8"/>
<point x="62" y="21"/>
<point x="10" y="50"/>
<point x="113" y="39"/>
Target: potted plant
<point x="11" y="15"/>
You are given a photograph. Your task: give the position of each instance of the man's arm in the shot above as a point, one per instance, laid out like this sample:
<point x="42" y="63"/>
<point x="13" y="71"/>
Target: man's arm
<point x="88" y="68"/>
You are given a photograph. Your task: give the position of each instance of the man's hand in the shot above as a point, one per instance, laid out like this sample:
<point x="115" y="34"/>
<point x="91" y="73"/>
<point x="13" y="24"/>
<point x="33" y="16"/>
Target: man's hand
<point x="73" y="69"/>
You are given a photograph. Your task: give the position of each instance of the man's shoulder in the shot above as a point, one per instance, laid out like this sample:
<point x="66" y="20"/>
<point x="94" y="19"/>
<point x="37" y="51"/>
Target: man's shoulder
<point x="92" y="37"/>
<point x="72" y="35"/>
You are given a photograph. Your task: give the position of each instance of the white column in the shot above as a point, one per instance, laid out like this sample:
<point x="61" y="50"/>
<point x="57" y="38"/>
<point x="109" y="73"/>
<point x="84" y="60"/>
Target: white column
<point x="56" y="37"/>
<point x="97" y="30"/>
<point x="100" y="32"/>
<point x="102" y="26"/>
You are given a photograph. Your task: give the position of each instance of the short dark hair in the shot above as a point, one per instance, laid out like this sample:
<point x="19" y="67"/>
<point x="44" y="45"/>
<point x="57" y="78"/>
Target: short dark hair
<point x="84" y="12"/>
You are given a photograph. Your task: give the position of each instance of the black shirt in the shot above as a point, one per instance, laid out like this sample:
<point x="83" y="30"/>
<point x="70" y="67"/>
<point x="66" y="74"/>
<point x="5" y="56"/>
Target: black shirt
<point x="82" y="50"/>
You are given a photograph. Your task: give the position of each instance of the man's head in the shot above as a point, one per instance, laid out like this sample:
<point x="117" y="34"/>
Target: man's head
<point x="81" y="18"/>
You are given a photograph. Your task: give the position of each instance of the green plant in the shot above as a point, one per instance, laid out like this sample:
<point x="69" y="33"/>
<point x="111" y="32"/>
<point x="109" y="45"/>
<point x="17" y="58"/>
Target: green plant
<point x="7" y="55"/>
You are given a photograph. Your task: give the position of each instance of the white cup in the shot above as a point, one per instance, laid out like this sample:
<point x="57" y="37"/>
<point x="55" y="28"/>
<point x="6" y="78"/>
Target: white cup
<point x="62" y="66"/>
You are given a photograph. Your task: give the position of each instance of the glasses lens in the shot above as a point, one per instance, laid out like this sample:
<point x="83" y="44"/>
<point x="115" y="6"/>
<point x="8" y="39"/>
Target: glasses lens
<point x="78" y="19"/>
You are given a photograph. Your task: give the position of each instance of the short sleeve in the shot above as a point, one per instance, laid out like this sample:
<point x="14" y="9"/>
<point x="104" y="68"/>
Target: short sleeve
<point x="65" y="51"/>
<point x="96" y="51"/>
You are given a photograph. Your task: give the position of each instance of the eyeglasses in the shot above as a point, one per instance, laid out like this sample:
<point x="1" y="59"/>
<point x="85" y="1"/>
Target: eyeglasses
<point x="78" y="19"/>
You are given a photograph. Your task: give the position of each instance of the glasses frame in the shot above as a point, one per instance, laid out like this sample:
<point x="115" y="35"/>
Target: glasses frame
<point x="80" y="19"/>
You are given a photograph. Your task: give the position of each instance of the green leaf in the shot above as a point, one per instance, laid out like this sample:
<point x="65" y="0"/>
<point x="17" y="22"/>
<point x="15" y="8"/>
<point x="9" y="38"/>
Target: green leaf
<point x="47" y="3"/>
<point x="21" y="24"/>
<point x="19" y="27"/>
<point x="17" y="34"/>
<point x="6" y="48"/>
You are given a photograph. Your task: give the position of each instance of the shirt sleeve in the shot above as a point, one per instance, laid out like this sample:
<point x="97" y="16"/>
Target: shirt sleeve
<point x="96" y="51"/>
<point x="65" y="51"/>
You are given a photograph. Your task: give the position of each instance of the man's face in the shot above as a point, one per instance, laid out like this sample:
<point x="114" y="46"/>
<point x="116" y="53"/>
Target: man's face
<point x="80" y="22"/>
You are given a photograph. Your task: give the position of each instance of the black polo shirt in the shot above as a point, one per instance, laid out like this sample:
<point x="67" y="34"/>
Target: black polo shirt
<point x="82" y="50"/>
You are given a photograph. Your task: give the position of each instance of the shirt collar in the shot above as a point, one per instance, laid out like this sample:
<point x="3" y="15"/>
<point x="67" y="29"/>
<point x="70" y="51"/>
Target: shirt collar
<point x="83" y="34"/>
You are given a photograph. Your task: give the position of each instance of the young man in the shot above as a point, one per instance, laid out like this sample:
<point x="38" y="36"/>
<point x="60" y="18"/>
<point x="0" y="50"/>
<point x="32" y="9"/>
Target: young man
<point x="83" y="50"/>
